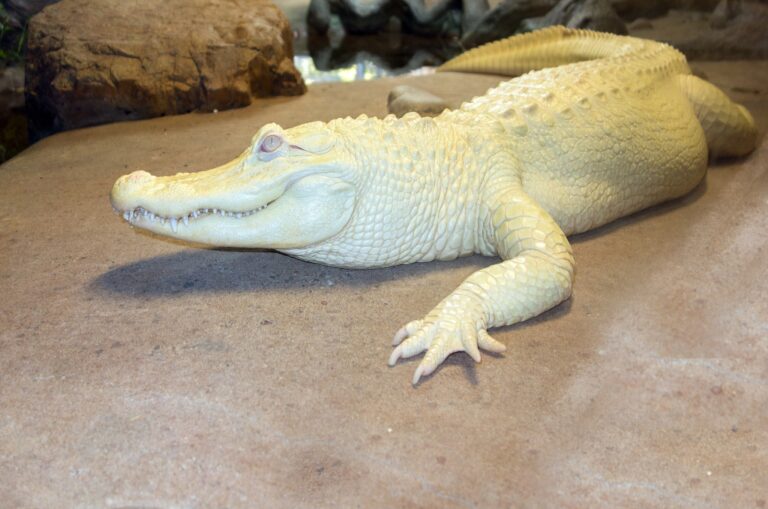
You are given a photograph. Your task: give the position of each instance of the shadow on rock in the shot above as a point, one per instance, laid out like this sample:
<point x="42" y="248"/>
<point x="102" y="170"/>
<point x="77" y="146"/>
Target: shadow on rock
<point x="214" y="271"/>
<point x="657" y="210"/>
<point x="231" y="270"/>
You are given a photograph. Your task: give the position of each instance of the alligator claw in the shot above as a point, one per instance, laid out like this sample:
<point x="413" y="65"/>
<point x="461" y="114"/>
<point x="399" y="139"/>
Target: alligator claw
<point x="439" y="340"/>
<point x="408" y="330"/>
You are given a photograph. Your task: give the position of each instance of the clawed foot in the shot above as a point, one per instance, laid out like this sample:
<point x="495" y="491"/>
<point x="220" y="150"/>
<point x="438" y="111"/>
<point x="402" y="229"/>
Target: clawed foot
<point x="440" y="338"/>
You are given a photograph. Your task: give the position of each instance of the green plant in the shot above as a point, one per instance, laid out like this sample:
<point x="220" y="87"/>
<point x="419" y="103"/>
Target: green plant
<point x="12" y="41"/>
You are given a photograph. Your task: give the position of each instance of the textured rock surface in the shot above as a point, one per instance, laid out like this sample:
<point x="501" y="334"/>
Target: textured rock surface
<point x="504" y="19"/>
<point x="590" y="14"/>
<point x="96" y="61"/>
<point x="631" y="9"/>
<point x="740" y="33"/>
<point x="507" y="16"/>
<point x="141" y="373"/>
<point x="725" y="11"/>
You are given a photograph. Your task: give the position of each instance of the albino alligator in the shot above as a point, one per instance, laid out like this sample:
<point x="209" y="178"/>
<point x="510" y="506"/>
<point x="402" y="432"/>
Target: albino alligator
<point x="619" y="125"/>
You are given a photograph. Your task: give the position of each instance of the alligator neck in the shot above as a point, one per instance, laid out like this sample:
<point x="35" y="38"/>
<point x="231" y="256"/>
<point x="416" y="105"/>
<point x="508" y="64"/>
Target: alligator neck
<point x="419" y="185"/>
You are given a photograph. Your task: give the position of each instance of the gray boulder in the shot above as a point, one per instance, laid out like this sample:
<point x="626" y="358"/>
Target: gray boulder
<point x="431" y="17"/>
<point x="725" y="11"/>
<point x="357" y="17"/>
<point x="504" y="20"/>
<point x="509" y="17"/>
<point x="590" y="14"/>
<point x="97" y="61"/>
<point x="319" y="15"/>
<point x="19" y="11"/>
<point x="738" y="32"/>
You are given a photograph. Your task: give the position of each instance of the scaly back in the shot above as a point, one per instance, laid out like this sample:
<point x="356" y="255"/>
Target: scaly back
<point x="616" y="112"/>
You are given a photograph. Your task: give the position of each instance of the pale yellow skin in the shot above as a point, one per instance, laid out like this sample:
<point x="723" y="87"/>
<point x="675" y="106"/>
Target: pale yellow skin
<point x="621" y="125"/>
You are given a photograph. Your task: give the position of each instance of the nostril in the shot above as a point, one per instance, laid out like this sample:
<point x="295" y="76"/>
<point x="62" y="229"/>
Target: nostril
<point x="139" y="176"/>
<point x="134" y="180"/>
<point x="127" y="186"/>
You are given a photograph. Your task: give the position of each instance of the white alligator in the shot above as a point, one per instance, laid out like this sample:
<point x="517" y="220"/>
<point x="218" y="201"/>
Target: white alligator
<point x="601" y="126"/>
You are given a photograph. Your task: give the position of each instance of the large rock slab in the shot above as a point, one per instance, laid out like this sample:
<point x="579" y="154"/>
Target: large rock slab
<point x="99" y="61"/>
<point x="141" y="373"/>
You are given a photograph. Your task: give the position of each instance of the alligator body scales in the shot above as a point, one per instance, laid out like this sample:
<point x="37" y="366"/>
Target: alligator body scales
<point x="599" y="127"/>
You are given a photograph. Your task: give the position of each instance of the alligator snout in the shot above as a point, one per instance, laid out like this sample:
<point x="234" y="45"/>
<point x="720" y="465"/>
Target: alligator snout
<point x="129" y="186"/>
<point x="136" y="178"/>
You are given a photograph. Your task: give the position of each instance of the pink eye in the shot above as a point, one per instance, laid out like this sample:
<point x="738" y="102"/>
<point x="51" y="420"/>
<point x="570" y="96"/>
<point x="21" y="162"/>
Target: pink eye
<point x="270" y="143"/>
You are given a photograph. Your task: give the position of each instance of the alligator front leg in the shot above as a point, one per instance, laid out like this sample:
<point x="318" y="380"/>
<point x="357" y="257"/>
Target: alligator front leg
<point x="536" y="274"/>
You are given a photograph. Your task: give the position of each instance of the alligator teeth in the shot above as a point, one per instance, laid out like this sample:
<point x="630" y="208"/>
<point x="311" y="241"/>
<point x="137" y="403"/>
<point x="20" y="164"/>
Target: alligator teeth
<point x="135" y="214"/>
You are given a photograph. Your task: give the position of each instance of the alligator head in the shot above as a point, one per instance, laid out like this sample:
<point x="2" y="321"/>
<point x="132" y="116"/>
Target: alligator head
<point x="291" y="188"/>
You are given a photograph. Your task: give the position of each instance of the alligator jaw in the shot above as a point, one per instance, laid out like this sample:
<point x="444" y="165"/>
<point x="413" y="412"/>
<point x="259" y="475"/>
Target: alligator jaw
<point x="276" y="208"/>
<point x="292" y="215"/>
<point x="289" y="189"/>
<point x="140" y="216"/>
<point x="217" y="206"/>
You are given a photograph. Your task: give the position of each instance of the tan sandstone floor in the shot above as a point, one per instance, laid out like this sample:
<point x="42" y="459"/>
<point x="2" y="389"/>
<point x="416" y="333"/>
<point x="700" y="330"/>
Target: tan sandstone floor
<point x="141" y="373"/>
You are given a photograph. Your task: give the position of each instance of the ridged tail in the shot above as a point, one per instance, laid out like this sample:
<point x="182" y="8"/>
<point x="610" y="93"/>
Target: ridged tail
<point x="549" y="47"/>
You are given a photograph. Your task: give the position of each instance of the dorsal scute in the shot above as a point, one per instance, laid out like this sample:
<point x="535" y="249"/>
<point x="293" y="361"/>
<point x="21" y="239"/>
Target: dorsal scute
<point x="586" y="68"/>
<point x="557" y="46"/>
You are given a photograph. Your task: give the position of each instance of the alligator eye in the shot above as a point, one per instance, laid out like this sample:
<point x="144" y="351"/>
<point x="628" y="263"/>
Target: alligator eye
<point x="270" y="143"/>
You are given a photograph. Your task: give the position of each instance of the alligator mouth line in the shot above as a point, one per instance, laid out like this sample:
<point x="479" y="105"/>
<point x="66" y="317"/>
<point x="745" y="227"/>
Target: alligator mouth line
<point x="141" y="213"/>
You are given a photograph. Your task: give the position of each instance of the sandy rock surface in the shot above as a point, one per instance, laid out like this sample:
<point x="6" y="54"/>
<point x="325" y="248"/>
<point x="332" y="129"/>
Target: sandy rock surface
<point x="96" y="61"/>
<point x="136" y="372"/>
